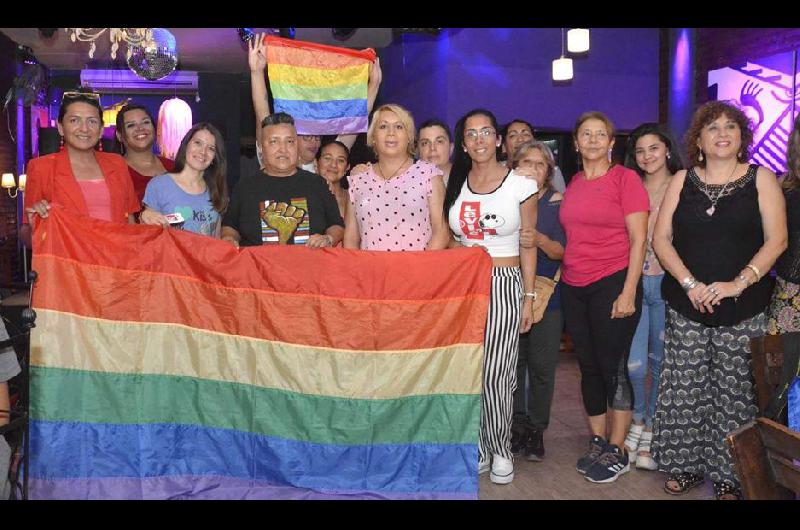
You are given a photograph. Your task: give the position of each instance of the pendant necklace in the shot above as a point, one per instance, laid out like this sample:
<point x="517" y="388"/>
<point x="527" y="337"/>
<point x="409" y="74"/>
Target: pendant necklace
<point x="395" y="171"/>
<point x="710" y="211"/>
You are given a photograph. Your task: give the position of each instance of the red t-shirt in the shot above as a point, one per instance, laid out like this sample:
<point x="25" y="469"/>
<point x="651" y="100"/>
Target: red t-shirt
<point x="593" y="216"/>
<point x="140" y="181"/>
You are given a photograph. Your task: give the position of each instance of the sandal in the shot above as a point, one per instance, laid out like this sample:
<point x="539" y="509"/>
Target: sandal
<point x="685" y="482"/>
<point x="632" y="440"/>
<point x="645" y="461"/>
<point x="725" y="492"/>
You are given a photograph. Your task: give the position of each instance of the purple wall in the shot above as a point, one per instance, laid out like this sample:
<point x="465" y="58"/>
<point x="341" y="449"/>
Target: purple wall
<point x="508" y="71"/>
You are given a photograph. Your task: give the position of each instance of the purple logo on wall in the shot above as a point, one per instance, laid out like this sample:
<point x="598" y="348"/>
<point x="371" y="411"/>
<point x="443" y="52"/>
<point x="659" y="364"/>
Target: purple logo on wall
<point x="764" y="91"/>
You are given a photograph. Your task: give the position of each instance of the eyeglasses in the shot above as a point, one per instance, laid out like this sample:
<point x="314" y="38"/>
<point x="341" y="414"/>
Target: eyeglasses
<point x="471" y="135"/>
<point x="77" y="95"/>
<point x="524" y="134"/>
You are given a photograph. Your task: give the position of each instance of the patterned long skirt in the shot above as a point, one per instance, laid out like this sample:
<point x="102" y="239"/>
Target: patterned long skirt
<point x="706" y="391"/>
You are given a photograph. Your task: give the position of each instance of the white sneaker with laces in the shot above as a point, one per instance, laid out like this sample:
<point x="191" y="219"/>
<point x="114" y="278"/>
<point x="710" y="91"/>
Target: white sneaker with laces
<point x="502" y="470"/>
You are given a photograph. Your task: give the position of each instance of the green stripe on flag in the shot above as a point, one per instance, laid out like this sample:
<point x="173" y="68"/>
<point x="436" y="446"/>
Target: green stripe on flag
<point x="98" y="397"/>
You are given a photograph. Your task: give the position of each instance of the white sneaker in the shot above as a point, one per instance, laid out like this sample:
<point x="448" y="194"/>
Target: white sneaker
<point x="502" y="470"/>
<point x="632" y="441"/>
<point x="646" y="461"/>
<point x="483" y="466"/>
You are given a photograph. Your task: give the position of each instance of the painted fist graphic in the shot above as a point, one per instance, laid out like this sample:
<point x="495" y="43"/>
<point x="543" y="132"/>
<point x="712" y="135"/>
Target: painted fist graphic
<point x="283" y="218"/>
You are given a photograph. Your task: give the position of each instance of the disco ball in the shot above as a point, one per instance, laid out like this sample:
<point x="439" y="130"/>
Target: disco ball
<point x="155" y="58"/>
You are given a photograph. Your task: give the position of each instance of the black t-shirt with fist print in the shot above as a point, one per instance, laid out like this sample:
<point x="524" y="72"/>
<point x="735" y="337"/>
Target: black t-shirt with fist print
<point x="281" y="210"/>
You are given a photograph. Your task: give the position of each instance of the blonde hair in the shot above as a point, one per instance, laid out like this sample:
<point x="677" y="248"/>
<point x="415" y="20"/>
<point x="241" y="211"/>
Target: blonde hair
<point x="405" y="118"/>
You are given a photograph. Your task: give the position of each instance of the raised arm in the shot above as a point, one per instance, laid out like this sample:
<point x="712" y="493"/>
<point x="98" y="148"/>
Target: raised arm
<point x="257" y="60"/>
<point x="375" y="77"/>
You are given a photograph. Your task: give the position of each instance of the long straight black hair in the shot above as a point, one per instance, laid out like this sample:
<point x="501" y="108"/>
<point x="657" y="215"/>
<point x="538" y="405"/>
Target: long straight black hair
<point x="462" y="163"/>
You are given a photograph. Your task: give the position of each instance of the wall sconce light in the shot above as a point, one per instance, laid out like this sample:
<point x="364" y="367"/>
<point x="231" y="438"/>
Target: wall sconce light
<point x="578" y="40"/>
<point x="562" y="67"/>
<point x="9" y="183"/>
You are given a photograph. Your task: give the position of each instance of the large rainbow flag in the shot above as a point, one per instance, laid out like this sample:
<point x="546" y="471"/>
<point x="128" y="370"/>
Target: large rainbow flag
<point x="170" y="365"/>
<point x="323" y="87"/>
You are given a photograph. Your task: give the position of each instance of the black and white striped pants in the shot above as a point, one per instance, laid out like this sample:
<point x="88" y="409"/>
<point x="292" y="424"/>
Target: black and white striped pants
<point x="500" y="352"/>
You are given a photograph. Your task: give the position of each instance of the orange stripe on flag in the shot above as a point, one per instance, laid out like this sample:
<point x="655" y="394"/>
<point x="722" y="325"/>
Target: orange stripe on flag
<point x="314" y="320"/>
<point x="367" y="54"/>
<point x="321" y="60"/>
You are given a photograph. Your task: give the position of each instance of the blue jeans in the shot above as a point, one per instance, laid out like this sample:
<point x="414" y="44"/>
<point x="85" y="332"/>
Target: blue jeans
<point x="647" y="349"/>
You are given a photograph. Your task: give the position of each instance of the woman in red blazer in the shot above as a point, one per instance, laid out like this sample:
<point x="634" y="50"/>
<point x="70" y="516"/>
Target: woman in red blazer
<point x="79" y="178"/>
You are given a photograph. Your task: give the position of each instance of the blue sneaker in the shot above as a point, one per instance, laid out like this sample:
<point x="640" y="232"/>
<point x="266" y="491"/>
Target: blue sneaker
<point x="597" y="445"/>
<point x="611" y="464"/>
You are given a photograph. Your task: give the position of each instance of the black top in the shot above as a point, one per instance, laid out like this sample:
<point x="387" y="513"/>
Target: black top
<point x="717" y="247"/>
<point x="270" y="210"/>
<point x="788" y="265"/>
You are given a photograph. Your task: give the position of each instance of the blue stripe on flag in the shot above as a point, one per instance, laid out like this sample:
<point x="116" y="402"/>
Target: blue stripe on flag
<point x="73" y="450"/>
<point x="322" y="110"/>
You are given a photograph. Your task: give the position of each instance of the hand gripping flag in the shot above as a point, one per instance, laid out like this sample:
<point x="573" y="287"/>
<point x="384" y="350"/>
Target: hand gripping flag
<point x="323" y="87"/>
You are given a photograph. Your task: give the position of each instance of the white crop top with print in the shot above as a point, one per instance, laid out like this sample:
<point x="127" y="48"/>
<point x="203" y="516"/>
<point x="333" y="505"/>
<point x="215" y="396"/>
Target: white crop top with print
<point x="492" y="219"/>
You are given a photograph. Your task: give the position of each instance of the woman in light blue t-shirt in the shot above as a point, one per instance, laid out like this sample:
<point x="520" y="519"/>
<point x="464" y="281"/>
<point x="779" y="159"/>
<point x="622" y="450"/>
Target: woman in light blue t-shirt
<point x="195" y="195"/>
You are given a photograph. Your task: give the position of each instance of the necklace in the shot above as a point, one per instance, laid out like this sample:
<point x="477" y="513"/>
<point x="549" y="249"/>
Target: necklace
<point x="710" y="211"/>
<point x="383" y="173"/>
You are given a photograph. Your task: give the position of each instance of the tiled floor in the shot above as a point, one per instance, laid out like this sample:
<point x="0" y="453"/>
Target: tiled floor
<point x="565" y="440"/>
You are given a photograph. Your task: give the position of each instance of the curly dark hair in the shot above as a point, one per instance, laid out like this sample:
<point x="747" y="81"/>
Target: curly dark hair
<point x="708" y="113"/>
<point x="792" y="179"/>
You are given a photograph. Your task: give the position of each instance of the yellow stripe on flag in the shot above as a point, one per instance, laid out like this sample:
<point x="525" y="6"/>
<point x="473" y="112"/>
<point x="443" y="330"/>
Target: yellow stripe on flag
<point x="83" y="343"/>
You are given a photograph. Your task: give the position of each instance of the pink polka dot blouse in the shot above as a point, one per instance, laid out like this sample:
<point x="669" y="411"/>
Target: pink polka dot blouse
<point x="394" y="215"/>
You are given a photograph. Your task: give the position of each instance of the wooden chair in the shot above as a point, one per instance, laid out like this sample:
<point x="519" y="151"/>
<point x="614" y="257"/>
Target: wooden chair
<point x="767" y="355"/>
<point x="767" y="459"/>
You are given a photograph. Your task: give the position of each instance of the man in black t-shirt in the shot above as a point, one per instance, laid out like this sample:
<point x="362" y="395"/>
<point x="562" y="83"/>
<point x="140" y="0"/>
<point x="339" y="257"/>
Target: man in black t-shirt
<point x="282" y="204"/>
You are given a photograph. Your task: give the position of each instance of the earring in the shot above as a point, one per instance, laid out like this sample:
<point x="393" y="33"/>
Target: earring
<point x="668" y="155"/>
<point x="61" y="143"/>
<point x="700" y="157"/>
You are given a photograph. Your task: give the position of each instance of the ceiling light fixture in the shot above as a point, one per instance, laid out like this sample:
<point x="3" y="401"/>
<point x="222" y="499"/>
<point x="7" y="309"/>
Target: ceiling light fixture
<point x="562" y="67"/>
<point x="130" y="36"/>
<point x="578" y="40"/>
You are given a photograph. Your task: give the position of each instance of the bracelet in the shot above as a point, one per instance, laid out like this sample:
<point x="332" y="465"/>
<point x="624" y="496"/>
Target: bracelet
<point x="532" y="295"/>
<point x="330" y="239"/>
<point x="689" y="283"/>
<point x="744" y="280"/>
<point x="755" y="270"/>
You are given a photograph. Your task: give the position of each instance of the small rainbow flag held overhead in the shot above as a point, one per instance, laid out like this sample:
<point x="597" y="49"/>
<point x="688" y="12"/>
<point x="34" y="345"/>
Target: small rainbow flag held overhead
<point x="165" y="364"/>
<point x="323" y="87"/>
